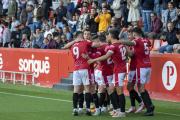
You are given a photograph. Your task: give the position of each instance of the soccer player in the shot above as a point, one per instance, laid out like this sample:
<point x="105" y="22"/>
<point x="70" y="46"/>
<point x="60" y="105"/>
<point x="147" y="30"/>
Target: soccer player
<point x="82" y="73"/>
<point x="118" y="53"/>
<point x="143" y="66"/>
<point x="132" y="78"/>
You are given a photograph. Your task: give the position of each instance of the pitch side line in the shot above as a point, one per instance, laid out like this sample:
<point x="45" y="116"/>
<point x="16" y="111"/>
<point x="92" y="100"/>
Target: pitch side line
<point x="68" y="101"/>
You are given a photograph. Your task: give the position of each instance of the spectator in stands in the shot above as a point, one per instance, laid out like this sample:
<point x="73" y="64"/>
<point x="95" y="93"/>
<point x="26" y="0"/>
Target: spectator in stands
<point x="70" y="6"/>
<point x="21" y="3"/>
<point x="125" y="12"/>
<point x="170" y="15"/>
<point x="29" y="18"/>
<point x="109" y="10"/>
<point x="123" y="33"/>
<point x="59" y="13"/>
<point x="147" y="6"/>
<point x="177" y="3"/>
<point x="19" y="13"/>
<point x="157" y="8"/>
<point x="25" y="42"/>
<point x="170" y="37"/>
<point x="30" y="2"/>
<point x="156" y="25"/>
<point x="12" y="8"/>
<point x="103" y="19"/>
<point x="5" y="6"/>
<point x="67" y="33"/>
<point x="1" y="7"/>
<point x="176" y="47"/>
<point x="37" y="38"/>
<point x="88" y="6"/>
<point x="69" y="17"/>
<point x="48" y="31"/>
<point x="93" y="26"/>
<point x="100" y="2"/>
<point x="25" y="30"/>
<point x="178" y="23"/>
<point x="113" y="22"/>
<point x="8" y="20"/>
<point x="72" y="24"/>
<point x="24" y="15"/>
<point x="16" y="37"/>
<point x="117" y="8"/>
<point x="45" y="22"/>
<point x="64" y="41"/>
<point x="37" y="15"/>
<point x="94" y="4"/>
<point x="164" y="4"/>
<point x="141" y="31"/>
<point x="46" y="5"/>
<point x="51" y="41"/>
<point x="13" y="23"/>
<point x="46" y="44"/>
<point x="60" y="31"/>
<point x="6" y="35"/>
<point x="82" y="19"/>
<point x="1" y="36"/>
<point x="134" y="13"/>
<point x="58" y="42"/>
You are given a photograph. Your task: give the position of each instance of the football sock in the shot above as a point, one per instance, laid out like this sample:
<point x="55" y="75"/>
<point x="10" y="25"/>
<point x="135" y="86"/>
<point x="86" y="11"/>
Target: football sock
<point x="88" y="99"/>
<point x="91" y="103"/>
<point x="108" y="98"/>
<point x="116" y="99"/>
<point x="101" y="99"/>
<point x="113" y="102"/>
<point x="145" y="98"/>
<point x="81" y="100"/>
<point x="132" y="99"/>
<point x="149" y="99"/>
<point x="122" y="102"/>
<point x="105" y="103"/>
<point x="75" y="100"/>
<point x="135" y="95"/>
<point x="96" y="101"/>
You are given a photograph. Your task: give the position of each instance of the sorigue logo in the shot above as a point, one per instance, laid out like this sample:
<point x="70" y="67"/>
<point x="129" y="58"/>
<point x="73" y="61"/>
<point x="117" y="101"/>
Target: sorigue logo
<point x="35" y="66"/>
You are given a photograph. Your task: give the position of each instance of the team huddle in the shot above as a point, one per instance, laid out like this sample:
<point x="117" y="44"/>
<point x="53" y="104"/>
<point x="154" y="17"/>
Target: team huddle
<point x="109" y="55"/>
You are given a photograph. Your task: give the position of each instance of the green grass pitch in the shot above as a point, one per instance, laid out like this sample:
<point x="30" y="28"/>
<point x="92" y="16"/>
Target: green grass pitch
<point x="19" y="102"/>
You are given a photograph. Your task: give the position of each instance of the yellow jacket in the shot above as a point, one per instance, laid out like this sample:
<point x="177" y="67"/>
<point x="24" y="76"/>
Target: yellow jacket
<point x="104" y="20"/>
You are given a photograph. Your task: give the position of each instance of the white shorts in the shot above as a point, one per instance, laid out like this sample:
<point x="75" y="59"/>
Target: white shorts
<point x="132" y="76"/>
<point x="106" y="81"/>
<point x="92" y="78"/>
<point x="82" y="76"/>
<point x="143" y="75"/>
<point x="98" y="76"/>
<point x="118" y="79"/>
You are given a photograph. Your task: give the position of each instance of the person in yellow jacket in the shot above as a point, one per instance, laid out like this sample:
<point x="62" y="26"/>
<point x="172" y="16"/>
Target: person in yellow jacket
<point x="103" y="19"/>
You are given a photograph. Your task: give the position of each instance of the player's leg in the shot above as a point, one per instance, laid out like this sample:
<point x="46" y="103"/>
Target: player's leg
<point x="141" y="80"/>
<point x="101" y="95"/>
<point x="119" y="78"/>
<point x="81" y="99"/>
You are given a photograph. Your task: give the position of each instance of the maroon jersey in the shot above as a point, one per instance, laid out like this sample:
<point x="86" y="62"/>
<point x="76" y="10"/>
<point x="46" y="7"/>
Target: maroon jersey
<point x="77" y="49"/>
<point x="119" y="57"/>
<point x="133" y="61"/>
<point x="107" y="65"/>
<point x="142" y="52"/>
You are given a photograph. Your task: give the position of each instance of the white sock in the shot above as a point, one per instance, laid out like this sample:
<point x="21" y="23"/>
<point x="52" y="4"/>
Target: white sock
<point x="118" y="109"/>
<point x="97" y="109"/>
<point x="80" y="109"/>
<point x="141" y="103"/>
<point x="108" y="106"/>
<point x="88" y="109"/>
<point x="91" y="103"/>
<point x="133" y="107"/>
<point x="123" y="112"/>
<point x="75" y="109"/>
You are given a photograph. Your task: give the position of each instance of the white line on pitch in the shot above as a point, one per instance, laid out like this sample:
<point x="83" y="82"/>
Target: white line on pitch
<point x="68" y="101"/>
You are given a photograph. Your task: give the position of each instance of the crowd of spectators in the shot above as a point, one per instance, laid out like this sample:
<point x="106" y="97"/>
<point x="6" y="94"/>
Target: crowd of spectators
<point x="27" y="23"/>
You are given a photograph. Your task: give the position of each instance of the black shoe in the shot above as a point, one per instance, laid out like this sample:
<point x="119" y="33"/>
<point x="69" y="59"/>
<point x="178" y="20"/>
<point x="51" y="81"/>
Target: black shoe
<point x="88" y="113"/>
<point x="75" y="113"/>
<point x="152" y="107"/>
<point x="148" y="113"/>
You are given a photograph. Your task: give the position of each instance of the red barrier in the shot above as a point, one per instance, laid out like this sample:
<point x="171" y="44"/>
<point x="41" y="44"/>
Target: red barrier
<point x="52" y="65"/>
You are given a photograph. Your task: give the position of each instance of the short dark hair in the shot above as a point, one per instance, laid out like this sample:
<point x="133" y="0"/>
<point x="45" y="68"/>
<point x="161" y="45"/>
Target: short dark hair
<point x="93" y="8"/>
<point x="85" y="2"/>
<point x="20" y="8"/>
<point x="137" y="30"/>
<point x="78" y="33"/>
<point x="5" y="23"/>
<point x="114" y="33"/>
<point x="154" y="13"/>
<point x="43" y="19"/>
<point x="95" y="37"/>
<point x="85" y="6"/>
<point x="47" y="25"/>
<point x="172" y="3"/>
<point x="95" y="2"/>
<point x="60" y="28"/>
<point x="105" y="7"/>
<point x="102" y="38"/>
<point x="87" y="30"/>
<point x="38" y="28"/>
<point x="130" y="31"/>
<point x="130" y="25"/>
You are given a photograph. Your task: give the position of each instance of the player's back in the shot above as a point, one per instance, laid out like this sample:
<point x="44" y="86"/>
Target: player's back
<point x="142" y="52"/>
<point x="119" y="57"/>
<point x="77" y="50"/>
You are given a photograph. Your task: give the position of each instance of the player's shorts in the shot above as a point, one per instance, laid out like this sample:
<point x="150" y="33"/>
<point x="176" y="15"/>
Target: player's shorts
<point x="106" y="81"/>
<point x="92" y="78"/>
<point x="98" y="76"/>
<point x="118" y="79"/>
<point x="143" y="75"/>
<point x="82" y="76"/>
<point x="132" y="76"/>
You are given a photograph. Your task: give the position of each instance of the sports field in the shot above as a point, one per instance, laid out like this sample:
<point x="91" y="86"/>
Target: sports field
<point x="19" y="102"/>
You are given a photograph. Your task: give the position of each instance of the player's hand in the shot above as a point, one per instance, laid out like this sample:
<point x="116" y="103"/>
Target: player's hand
<point x="90" y="61"/>
<point x="78" y="40"/>
<point x="85" y="56"/>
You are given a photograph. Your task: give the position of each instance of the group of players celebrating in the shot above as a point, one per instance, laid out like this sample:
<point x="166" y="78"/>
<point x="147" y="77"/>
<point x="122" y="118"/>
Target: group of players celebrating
<point x="111" y="54"/>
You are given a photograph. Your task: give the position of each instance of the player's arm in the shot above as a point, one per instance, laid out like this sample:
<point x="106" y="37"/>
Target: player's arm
<point x="129" y="52"/>
<point x="102" y="58"/>
<point x="68" y="46"/>
<point x="96" y="45"/>
<point x="128" y="43"/>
